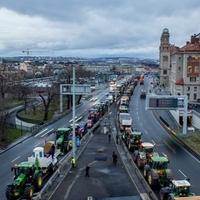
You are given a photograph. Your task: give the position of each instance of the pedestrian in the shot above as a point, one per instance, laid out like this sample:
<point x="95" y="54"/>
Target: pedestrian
<point x="53" y="151"/>
<point x="87" y="170"/>
<point x="73" y="162"/>
<point x="114" y="156"/>
<point x="109" y="137"/>
<point x="117" y="137"/>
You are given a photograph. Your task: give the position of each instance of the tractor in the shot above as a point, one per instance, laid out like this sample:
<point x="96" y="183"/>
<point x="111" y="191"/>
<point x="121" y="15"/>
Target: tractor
<point x="63" y="141"/>
<point x="156" y="171"/>
<point x="143" y="155"/>
<point x="28" y="178"/>
<point x="177" y="188"/>
<point x="132" y="138"/>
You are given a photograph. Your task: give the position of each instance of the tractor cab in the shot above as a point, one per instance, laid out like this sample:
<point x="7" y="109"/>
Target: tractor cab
<point x="181" y="188"/>
<point x="159" y="163"/>
<point x="177" y="189"/>
<point x="62" y="139"/>
<point x="134" y="139"/>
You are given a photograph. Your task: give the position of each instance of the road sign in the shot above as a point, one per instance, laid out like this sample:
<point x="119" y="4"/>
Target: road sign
<point x="165" y="102"/>
<point x="80" y="89"/>
<point x="168" y="102"/>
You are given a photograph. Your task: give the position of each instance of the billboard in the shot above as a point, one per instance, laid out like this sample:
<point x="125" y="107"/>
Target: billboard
<point x="80" y="89"/>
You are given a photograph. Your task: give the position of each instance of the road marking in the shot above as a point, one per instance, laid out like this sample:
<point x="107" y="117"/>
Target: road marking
<point x="72" y="119"/>
<point x="41" y="132"/>
<point x="15" y="158"/>
<point x="153" y="142"/>
<point x="78" y="118"/>
<point x="182" y="173"/>
<point x="47" y="132"/>
<point x="164" y="154"/>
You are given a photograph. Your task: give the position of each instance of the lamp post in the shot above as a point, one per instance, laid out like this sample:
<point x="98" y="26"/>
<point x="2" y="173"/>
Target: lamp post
<point x="73" y="113"/>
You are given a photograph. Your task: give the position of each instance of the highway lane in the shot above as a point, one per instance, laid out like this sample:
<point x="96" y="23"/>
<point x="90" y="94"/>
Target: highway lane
<point x="182" y="162"/>
<point x="23" y="150"/>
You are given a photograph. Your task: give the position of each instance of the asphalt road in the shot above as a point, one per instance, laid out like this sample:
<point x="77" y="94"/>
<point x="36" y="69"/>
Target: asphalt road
<point x="20" y="152"/>
<point x="106" y="179"/>
<point x="182" y="162"/>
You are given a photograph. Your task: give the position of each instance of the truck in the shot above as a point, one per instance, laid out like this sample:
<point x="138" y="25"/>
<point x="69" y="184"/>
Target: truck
<point x="29" y="175"/>
<point x="123" y="109"/>
<point x="125" y="121"/>
<point x="177" y="189"/>
<point x="124" y="100"/>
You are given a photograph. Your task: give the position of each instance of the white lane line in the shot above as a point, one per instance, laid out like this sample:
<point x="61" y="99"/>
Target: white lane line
<point x="78" y="118"/>
<point x="153" y="142"/>
<point x="164" y="154"/>
<point x="182" y="173"/>
<point x="46" y="132"/>
<point x="41" y="132"/>
<point x="15" y="158"/>
<point x="72" y="119"/>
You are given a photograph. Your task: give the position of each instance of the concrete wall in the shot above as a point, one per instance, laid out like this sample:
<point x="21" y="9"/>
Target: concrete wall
<point x="175" y="114"/>
<point x="196" y="119"/>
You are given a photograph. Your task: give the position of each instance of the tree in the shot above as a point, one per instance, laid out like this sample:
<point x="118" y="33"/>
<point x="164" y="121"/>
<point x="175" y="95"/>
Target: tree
<point x="3" y="119"/>
<point x="3" y="85"/>
<point x="46" y="100"/>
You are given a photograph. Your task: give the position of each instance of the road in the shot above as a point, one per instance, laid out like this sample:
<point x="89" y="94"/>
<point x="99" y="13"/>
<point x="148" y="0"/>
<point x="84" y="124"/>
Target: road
<point x="23" y="150"/>
<point x="182" y="162"/>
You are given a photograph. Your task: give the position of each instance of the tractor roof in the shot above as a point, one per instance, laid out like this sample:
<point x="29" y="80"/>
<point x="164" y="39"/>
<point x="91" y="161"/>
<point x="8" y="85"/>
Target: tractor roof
<point x="136" y="133"/>
<point x="157" y="158"/>
<point x="63" y="129"/>
<point x="181" y="183"/>
<point x="147" y="145"/>
<point x="25" y="164"/>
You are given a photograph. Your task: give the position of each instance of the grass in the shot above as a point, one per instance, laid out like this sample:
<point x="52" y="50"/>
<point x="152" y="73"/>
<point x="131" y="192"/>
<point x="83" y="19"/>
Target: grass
<point x="12" y="134"/>
<point x="10" y="103"/>
<point x="193" y="141"/>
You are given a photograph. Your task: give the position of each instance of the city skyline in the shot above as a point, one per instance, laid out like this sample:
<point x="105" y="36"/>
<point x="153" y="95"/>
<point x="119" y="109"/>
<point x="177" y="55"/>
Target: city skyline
<point x="93" y="28"/>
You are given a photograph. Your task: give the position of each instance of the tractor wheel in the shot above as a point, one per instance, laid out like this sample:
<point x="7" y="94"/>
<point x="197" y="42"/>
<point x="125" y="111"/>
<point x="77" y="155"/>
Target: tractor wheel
<point x="38" y="181"/>
<point x="151" y="181"/>
<point x="9" y="192"/>
<point x="28" y="192"/>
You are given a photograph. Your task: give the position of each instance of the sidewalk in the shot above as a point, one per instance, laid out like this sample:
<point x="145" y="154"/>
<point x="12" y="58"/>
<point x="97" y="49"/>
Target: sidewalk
<point x="106" y="180"/>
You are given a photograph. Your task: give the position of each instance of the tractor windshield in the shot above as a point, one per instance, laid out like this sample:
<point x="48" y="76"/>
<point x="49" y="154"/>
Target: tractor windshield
<point x="149" y="150"/>
<point x="183" y="191"/>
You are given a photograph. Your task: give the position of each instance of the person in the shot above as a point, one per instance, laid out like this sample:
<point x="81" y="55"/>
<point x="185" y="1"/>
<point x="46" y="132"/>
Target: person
<point x="109" y="137"/>
<point x="53" y="151"/>
<point x="87" y="170"/>
<point x="73" y="162"/>
<point x="117" y="137"/>
<point x="114" y="156"/>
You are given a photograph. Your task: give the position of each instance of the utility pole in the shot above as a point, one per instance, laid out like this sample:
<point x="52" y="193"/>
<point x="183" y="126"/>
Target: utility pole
<point x="73" y="110"/>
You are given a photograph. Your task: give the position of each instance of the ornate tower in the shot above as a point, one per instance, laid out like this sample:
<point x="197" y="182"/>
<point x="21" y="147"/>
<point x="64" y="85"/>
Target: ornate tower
<point x="164" y="68"/>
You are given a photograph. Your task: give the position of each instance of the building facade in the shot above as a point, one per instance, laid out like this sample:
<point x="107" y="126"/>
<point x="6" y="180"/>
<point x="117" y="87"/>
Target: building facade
<point x="164" y="68"/>
<point x="183" y="68"/>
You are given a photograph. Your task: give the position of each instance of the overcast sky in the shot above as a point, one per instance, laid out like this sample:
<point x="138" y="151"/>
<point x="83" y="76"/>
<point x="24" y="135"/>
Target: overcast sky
<point x="91" y="28"/>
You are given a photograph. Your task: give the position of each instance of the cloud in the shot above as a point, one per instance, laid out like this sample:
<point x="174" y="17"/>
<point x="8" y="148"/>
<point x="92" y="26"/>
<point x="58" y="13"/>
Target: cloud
<point x="93" y="27"/>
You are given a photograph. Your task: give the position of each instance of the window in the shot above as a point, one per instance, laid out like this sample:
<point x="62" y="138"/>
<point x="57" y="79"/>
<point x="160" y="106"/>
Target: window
<point x="165" y="71"/>
<point x="188" y="94"/>
<point x="188" y="88"/>
<point x="195" y="89"/>
<point x="179" y="68"/>
<point x="195" y="96"/>
<point x="192" y="79"/>
<point x="165" y="58"/>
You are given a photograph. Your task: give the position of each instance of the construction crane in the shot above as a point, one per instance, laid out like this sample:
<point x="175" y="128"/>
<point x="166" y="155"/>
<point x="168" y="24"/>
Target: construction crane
<point x="28" y="51"/>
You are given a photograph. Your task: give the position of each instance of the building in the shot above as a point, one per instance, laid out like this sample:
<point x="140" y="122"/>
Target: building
<point x="164" y="67"/>
<point x="180" y="66"/>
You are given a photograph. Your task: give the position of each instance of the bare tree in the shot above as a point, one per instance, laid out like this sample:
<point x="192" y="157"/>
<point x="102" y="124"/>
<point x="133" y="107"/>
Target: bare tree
<point x="47" y="97"/>
<point x="3" y="119"/>
<point x="3" y="85"/>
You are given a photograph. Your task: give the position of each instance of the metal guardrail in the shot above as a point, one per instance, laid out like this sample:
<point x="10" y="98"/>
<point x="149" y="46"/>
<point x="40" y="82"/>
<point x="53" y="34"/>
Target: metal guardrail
<point x="64" y="166"/>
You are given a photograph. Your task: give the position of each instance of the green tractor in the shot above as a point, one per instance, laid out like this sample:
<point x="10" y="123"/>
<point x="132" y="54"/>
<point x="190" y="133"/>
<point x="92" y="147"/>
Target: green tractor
<point x="28" y="178"/>
<point x="132" y="139"/>
<point x="63" y="139"/>
<point x="177" y="188"/>
<point x="156" y="171"/>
